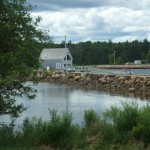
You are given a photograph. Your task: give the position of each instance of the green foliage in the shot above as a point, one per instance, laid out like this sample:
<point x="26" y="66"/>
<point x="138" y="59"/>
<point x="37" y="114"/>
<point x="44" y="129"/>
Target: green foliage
<point x="142" y="130"/>
<point x="32" y="131"/>
<point x="48" y="73"/>
<point x="59" y="132"/>
<point x="62" y="132"/>
<point x="19" y="53"/>
<point x="120" y="61"/>
<point x="125" y="118"/>
<point x="90" y="118"/>
<point x="7" y="134"/>
<point x="94" y="53"/>
<point x="111" y="132"/>
<point x="148" y="56"/>
<point x="108" y="132"/>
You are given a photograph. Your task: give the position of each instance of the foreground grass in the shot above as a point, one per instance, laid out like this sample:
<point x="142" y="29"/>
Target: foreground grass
<point x="124" y="128"/>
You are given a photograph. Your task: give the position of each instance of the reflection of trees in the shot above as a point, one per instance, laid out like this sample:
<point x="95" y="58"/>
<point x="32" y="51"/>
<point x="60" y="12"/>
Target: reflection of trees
<point x="138" y="95"/>
<point x="142" y="95"/>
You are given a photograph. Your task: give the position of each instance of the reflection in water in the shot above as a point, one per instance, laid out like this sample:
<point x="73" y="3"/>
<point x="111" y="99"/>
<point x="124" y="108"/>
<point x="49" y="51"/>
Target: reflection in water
<point x="71" y="99"/>
<point x="124" y="93"/>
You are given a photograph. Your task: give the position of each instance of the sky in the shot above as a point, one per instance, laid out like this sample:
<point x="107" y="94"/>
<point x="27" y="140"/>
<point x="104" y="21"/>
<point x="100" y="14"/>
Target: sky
<point x="94" y="20"/>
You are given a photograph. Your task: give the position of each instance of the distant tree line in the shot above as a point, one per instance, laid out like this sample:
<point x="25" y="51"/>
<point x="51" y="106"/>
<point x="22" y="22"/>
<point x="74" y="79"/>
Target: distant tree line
<point x="94" y="53"/>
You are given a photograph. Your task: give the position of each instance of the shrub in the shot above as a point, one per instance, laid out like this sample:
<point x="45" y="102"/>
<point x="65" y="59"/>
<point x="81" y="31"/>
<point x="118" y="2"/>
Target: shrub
<point x="48" y="73"/>
<point x="142" y="130"/>
<point x="90" y="117"/>
<point x="7" y="134"/>
<point x="127" y="127"/>
<point x="108" y="132"/>
<point x="32" y="132"/>
<point x="123" y="119"/>
<point x="61" y="132"/>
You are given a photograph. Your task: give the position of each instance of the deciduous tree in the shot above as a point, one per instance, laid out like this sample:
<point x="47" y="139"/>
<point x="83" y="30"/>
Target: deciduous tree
<point x="20" y="41"/>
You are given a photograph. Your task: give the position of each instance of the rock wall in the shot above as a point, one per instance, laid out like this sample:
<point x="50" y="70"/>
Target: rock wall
<point x="130" y="83"/>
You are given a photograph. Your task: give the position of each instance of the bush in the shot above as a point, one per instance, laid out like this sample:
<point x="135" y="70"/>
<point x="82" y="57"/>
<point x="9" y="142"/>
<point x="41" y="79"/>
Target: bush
<point x="90" y="118"/>
<point x="123" y="119"/>
<point x="60" y="131"/>
<point x="32" y="132"/>
<point x="7" y="134"/>
<point x="142" y="130"/>
<point x="108" y="132"/>
<point x="127" y="127"/>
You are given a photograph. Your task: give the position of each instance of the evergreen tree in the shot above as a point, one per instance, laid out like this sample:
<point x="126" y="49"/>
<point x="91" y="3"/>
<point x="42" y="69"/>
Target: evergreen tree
<point x="148" y="56"/>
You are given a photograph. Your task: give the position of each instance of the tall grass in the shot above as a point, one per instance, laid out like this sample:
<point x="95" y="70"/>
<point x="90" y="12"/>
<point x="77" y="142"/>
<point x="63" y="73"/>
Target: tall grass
<point x="90" y="118"/>
<point x="125" y="127"/>
<point x="123" y="120"/>
<point x="7" y="134"/>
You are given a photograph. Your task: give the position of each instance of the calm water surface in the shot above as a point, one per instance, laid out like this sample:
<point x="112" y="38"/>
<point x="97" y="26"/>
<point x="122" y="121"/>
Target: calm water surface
<point x="134" y="71"/>
<point x="71" y="99"/>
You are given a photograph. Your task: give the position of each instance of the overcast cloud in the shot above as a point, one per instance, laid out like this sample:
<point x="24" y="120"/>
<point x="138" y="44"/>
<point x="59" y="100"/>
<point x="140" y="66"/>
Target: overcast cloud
<point x="95" y="20"/>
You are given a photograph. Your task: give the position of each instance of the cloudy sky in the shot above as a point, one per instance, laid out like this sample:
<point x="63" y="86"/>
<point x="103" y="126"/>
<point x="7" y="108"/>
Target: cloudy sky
<point x="95" y="20"/>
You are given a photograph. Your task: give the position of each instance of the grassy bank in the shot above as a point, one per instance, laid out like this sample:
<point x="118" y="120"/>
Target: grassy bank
<point x="123" y="128"/>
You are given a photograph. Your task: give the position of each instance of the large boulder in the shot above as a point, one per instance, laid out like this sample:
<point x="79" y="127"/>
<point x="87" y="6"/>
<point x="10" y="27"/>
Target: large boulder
<point x="148" y="83"/>
<point x="103" y="81"/>
<point x="77" y="78"/>
<point x="56" y="76"/>
<point x="121" y="78"/>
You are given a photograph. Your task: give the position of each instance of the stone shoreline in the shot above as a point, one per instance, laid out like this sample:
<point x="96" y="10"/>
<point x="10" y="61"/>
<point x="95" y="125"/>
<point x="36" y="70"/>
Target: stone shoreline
<point x="127" y="84"/>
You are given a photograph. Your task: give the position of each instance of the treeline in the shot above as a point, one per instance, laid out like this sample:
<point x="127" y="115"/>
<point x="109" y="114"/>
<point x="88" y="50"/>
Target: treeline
<point x="94" y="53"/>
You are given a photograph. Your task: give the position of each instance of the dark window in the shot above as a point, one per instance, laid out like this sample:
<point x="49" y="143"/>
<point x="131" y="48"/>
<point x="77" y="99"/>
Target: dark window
<point x="68" y="57"/>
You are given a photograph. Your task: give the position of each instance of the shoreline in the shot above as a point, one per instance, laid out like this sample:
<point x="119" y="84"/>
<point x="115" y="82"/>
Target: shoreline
<point x="126" y="85"/>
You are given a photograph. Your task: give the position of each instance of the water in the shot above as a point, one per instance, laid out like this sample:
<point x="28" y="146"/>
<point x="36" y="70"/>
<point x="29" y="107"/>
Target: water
<point x="70" y="99"/>
<point x="136" y="71"/>
<point x="123" y="71"/>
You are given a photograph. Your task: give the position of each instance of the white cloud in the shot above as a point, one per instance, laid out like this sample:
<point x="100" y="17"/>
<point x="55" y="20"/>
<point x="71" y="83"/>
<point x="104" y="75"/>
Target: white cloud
<point x="99" y="23"/>
<point x="136" y="29"/>
<point x="148" y="37"/>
